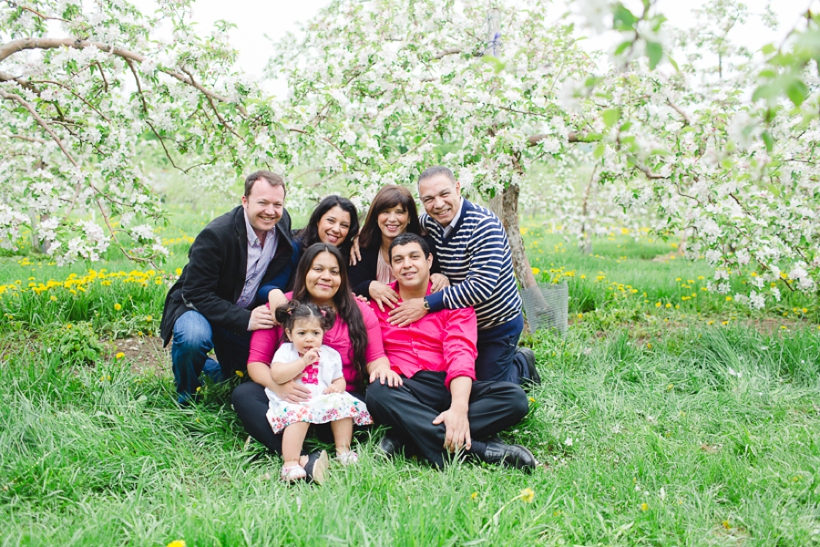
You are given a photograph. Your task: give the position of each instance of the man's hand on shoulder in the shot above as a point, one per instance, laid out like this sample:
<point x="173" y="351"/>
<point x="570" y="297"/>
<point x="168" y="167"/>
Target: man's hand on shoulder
<point x="261" y="318"/>
<point x="408" y="312"/>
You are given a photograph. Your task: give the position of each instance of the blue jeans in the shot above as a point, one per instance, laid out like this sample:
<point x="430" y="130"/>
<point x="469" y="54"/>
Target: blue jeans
<point x="194" y="338"/>
<point x="496" y="361"/>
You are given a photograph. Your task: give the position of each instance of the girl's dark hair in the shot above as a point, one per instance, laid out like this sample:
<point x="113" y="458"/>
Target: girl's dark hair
<point x="389" y="196"/>
<point x="288" y="314"/>
<point x="310" y="233"/>
<point x="346" y="307"/>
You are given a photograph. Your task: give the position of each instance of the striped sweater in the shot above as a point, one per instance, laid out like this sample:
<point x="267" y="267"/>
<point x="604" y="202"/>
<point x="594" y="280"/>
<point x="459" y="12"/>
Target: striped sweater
<point x="476" y="258"/>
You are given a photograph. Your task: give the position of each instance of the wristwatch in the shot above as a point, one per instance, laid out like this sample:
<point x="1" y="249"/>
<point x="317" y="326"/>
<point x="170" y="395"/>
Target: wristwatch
<point x="425" y="304"/>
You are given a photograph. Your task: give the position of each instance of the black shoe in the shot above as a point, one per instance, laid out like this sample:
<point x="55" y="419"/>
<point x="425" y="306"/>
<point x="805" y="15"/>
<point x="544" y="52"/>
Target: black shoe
<point x="390" y="446"/>
<point x="511" y="455"/>
<point x="316" y="466"/>
<point x="532" y="373"/>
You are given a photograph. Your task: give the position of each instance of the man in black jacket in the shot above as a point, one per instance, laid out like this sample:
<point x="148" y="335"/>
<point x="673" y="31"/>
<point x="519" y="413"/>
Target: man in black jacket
<point x="211" y="306"/>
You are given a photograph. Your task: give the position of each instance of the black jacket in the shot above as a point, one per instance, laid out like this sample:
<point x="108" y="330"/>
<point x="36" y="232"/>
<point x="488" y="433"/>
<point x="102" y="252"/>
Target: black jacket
<point x="212" y="280"/>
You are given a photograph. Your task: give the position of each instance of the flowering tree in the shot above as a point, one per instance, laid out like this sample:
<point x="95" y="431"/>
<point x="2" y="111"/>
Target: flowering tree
<point x="381" y="89"/>
<point x="385" y="87"/>
<point x="736" y="175"/>
<point x="81" y="86"/>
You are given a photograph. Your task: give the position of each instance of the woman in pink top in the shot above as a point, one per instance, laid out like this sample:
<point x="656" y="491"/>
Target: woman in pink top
<point x="321" y="278"/>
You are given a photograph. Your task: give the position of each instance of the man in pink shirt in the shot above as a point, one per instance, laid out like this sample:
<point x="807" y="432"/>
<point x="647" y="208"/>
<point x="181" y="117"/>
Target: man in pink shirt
<point x="437" y="408"/>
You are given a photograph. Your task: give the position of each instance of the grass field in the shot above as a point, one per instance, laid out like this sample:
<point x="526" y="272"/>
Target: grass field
<point x="661" y="420"/>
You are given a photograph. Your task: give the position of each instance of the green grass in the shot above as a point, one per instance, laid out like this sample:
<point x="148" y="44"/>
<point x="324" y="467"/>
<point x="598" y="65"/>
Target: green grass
<point x="655" y="427"/>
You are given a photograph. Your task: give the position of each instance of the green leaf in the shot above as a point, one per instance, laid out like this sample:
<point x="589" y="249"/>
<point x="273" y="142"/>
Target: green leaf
<point x="599" y="152"/>
<point x="623" y="19"/>
<point x="496" y="63"/>
<point x="622" y="47"/>
<point x="797" y="91"/>
<point x="767" y="138"/>
<point x="768" y="49"/>
<point x="654" y="51"/>
<point x="611" y="116"/>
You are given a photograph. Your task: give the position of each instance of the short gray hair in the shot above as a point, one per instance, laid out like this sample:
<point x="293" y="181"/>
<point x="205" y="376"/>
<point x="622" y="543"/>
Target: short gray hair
<point x="270" y="177"/>
<point x="431" y="172"/>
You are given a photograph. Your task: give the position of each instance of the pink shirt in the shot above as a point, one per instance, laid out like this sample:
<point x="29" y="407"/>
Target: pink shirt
<point x="440" y="341"/>
<point x="264" y="343"/>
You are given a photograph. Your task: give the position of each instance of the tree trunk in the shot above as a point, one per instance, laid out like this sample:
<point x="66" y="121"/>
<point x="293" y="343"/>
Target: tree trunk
<point x="509" y="217"/>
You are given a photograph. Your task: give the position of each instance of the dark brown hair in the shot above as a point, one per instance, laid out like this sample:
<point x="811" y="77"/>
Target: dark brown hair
<point x="268" y="176"/>
<point x="310" y="233"/>
<point x="347" y="309"/>
<point x="288" y="314"/>
<point x="389" y="196"/>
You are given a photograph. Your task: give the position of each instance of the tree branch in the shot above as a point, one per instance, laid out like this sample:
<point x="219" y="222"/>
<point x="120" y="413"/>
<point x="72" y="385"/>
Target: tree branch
<point x="16" y="46"/>
<point x="679" y="110"/>
<point x="44" y="124"/>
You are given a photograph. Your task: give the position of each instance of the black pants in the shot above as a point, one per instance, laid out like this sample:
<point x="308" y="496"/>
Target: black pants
<point x="251" y="404"/>
<point x="411" y="409"/>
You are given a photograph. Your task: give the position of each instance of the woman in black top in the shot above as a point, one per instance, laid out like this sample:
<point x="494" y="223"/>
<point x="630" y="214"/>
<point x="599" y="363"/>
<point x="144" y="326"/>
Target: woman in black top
<point x="391" y="213"/>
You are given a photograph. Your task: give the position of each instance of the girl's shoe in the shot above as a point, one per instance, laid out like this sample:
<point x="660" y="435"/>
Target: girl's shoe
<point x="348" y="458"/>
<point x="292" y="473"/>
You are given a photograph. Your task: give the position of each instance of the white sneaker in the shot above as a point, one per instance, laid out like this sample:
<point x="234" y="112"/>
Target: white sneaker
<point x="348" y="458"/>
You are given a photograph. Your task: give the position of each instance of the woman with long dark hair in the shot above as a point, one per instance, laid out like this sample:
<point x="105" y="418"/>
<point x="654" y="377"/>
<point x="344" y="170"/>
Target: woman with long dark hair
<point x="321" y="279"/>
<point x="392" y="213"/>
<point x="335" y="221"/>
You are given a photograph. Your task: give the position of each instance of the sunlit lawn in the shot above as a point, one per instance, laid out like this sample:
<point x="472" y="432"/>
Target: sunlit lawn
<point x="660" y="421"/>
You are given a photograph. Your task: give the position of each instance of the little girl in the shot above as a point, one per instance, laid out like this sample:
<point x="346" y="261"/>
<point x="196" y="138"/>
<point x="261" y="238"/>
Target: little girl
<point x="319" y="368"/>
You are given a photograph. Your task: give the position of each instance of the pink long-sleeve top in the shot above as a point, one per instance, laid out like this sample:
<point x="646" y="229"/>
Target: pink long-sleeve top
<point x="265" y="342"/>
<point x="440" y="341"/>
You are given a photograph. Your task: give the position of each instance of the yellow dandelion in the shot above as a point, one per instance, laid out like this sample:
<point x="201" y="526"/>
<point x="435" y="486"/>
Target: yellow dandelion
<point x="805" y="310"/>
<point x="532" y="399"/>
<point x="644" y="506"/>
<point x="648" y="345"/>
<point x="583" y="276"/>
<point x="240" y="373"/>
<point x="118" y="306"/>
<point x="536" y="271"/>
<point x="728" y="299"/>
<point x="658" y="304"/>
<point x="726" y="524"/>
<point x="119" y="355"/>
<point x="474" y="495"/>
<point x="52" y="298"/>
<point x="670" y="387"/>
<point x="668" y="305"/>
<point x="527" y="495"/>
<point x="149" y="317"/>
<point x="177" y="543"/>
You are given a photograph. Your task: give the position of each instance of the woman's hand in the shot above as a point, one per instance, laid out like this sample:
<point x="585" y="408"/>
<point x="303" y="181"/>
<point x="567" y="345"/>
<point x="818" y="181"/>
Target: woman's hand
<point x="439" y="282"/>
<point x="276" y="298"/>
<point x="355" y="252"/>
<point x="384" y="374"/>
<point x="383" y="295"/>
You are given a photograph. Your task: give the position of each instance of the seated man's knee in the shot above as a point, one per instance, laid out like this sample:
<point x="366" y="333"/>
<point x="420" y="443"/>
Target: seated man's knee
<point x="193" y="331"/>
<point x="519" y="402"/>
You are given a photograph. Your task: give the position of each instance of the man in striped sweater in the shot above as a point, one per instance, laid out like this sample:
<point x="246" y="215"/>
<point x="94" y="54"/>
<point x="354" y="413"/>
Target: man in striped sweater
<point x="474" y="253"/>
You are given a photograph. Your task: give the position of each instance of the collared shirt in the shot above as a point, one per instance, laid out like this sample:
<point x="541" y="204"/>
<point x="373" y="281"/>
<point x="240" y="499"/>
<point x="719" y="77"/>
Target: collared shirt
<point x="441" y="342"/>
<point x="452" y="226"/>
<point x="259" y="257"/>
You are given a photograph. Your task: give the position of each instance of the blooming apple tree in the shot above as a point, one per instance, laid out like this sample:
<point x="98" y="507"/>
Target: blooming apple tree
<point x="82" y="85"/>
<point x="727" y="153"/>
<point x="383" y="88"/>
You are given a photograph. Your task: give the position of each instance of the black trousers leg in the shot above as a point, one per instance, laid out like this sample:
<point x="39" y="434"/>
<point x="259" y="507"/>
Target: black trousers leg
<point x="411" y="409"/>
<point x="251" y="404"/>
